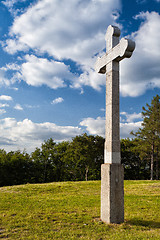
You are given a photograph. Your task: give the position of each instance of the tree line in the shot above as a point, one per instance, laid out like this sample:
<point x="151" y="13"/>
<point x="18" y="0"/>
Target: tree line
<point x="81" y="158"/>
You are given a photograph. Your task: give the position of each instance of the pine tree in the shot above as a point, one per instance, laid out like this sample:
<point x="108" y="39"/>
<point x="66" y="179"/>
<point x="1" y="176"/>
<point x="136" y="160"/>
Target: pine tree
<point x="149" y="134"/>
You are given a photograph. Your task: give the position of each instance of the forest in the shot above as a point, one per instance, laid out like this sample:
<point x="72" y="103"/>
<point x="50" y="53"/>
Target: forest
<point x="81" y="158"/>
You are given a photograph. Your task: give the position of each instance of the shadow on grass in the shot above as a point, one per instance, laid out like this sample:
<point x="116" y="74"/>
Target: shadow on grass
<point x="144" y="223"/>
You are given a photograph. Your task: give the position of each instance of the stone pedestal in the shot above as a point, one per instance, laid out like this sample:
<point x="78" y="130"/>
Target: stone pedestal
<point x="112" y="193"/>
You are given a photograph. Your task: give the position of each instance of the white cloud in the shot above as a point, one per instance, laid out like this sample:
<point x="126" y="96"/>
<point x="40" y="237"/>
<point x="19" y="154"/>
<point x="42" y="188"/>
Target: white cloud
<point x="65" y="30"/>
<point x="40" y="71"/>
<point x="18" y="107"/>
<point x="31" y="106"/>
<point x="97" y="126"/>
<point x="3" y="78"/>
<point x="75" y="31"/>
<point x="15" y="89"/>
<point x="142" y="71"/>
<point x="12" y="45"/>
<point x="5" y="98"/>
<point x="94" y="126"/>
<point x="4" y="105"/>
<point x="11" y="66"/>
<point x="126" y="128"/>
<point x="10" y="3"/>
<point x="89" y="78"/>
<point x="19" y="135"/>
<point x="131" y="117"/>
<point x="29" y="135"/>
<point x="57" y="100"/>
<point x="11" y="69"/>
<point x="2" y="111"/>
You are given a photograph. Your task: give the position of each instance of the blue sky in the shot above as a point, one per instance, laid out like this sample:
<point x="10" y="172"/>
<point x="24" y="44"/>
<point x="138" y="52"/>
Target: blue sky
<point x="48" y="86"/>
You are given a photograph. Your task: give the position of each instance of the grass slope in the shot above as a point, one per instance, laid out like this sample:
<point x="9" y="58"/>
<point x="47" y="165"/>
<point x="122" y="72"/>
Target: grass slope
<point x="71" y="210"/>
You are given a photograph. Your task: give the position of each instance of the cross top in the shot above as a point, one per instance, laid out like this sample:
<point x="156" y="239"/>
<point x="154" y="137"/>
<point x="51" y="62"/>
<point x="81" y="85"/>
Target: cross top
<point x="115" y="50"/>
<point x="112" y="37"/>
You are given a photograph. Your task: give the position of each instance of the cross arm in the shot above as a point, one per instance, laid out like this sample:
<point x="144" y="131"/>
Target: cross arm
<point x="127" y="47"/>
<point x="122" y="50"/>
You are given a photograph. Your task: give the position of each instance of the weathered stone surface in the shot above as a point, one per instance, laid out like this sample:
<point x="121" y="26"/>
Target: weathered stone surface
<point x="112" y="138"/>
<point x="112" y="193"/>
<point x="109" y="64"/>
<point x="112" y="196"/>
<point x="124" y="49"/>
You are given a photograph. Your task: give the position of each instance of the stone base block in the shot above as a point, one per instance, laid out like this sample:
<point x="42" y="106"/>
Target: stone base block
<point x="112" y="193"/>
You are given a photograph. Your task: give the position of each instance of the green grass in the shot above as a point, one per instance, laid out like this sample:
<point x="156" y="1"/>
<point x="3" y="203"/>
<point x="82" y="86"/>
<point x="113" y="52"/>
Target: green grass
<point x="71" y="210"/>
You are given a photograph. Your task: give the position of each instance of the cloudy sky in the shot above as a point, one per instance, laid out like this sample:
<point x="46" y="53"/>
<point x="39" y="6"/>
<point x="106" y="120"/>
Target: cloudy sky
<point x="48" y="86"/>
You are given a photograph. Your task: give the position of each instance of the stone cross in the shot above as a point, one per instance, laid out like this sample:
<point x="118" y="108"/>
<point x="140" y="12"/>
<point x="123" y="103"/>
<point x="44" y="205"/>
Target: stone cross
<point x="112" y="196"/>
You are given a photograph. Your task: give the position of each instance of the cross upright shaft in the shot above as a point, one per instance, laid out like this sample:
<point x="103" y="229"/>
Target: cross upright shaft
<point x="112" y="138"/>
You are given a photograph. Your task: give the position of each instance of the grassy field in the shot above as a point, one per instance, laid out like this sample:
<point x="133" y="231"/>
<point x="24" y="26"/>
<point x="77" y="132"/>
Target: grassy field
<point x="71" y="210"/>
